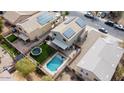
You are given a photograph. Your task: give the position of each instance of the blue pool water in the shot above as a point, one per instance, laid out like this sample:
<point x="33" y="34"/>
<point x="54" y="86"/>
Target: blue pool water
<point x="55" y="63"/>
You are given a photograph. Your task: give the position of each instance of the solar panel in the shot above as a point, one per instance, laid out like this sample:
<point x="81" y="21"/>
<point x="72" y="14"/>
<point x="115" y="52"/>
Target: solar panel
<point x="69" y="33"/>
<point x="42" y="16"/>
<point x="80" y="22"/>
<point x="45" y="18"/>
<point x="69" y="20"/>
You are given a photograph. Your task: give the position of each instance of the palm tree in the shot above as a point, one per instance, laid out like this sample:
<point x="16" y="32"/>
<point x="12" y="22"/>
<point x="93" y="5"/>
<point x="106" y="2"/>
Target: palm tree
<point x="116" y="15"/>
<point x="64" y="14"/>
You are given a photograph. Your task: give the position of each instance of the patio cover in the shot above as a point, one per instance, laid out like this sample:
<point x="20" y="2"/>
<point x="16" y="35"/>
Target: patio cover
<point x="60" y="44"/>
<point x="23" y="37"/>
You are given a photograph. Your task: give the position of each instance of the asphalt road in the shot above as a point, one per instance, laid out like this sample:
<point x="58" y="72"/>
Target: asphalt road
<point x="98" y="24"/>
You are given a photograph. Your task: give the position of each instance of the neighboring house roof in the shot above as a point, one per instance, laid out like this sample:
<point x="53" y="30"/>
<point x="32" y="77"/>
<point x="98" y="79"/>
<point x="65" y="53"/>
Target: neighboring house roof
<point x="102" y="58"/>
<point x="37" y="21"/>
<point x="70" y="27"/>
<point x="12" y="16"/>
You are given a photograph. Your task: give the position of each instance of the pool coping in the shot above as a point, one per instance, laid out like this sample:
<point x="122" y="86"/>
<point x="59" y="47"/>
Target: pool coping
<point x="59" y="68"/>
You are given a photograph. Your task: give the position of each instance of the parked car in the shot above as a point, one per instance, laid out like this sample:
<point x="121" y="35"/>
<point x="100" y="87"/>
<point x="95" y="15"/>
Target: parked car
<point x="110" y="23"/>
<point x="103" y="30"/>
<point x="89" y="15"/>
<point x="1" y="12"/>
<point x="120" y="27"/>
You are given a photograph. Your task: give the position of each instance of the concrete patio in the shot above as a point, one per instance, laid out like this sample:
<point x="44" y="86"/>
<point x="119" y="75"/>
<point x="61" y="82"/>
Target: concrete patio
<point x="5" y="58"/>
<point x="25" y="47"/>
<point x="5" y="62"/>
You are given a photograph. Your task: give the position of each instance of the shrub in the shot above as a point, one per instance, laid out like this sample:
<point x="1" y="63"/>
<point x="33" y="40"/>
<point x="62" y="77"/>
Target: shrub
<point x="25" y="66"/>
<point x="1" y="37"/>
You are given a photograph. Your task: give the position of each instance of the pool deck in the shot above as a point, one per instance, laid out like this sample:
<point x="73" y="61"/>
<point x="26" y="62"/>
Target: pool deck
<point x="60" y="69"/>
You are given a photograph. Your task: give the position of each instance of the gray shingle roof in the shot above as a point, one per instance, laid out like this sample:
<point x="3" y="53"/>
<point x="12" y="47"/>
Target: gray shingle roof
<point x="102" y="59"/>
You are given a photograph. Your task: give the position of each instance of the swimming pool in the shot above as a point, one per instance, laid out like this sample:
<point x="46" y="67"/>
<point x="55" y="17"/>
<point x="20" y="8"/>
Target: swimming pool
<point x="55" y="63"/>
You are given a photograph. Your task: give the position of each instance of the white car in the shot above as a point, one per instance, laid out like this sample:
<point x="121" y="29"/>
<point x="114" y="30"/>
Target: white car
<point x="120" y="27"/>
<point x="103" y="30"/>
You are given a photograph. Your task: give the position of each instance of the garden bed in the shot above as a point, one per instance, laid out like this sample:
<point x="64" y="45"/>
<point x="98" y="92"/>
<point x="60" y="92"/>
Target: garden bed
<point x="47" y="51"/>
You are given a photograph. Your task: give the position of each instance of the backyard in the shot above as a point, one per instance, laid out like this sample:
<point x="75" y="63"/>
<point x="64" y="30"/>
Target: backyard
<point x="47" y="51"/>
<point x="12" y="51"/>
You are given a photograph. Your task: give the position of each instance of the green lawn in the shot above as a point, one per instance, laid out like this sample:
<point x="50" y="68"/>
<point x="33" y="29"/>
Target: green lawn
<point x="11" y="38"/>
<point x="12" y="51"/>
<point x="47" y="51"/>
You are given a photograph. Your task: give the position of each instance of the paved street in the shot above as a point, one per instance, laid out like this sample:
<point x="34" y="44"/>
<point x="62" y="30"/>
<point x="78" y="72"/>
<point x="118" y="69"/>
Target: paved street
<point x="98" y="24"/>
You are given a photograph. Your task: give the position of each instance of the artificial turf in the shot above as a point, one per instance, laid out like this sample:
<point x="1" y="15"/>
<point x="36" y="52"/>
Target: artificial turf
<point x="47" y="51"/>
<point x="11" y="38"/>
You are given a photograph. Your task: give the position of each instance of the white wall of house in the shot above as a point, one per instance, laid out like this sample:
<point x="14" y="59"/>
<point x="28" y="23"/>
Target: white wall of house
<point x="21" y="30"/>
<point x="76" y="37"/>
<point x="86" y="75"/>
<point x="58" y="36"/>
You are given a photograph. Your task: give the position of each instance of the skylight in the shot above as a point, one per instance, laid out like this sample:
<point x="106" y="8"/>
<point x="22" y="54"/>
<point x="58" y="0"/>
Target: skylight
<point x="69" y="33"/>
<point x="69" y="20"/>
<point x="80" y="22"/>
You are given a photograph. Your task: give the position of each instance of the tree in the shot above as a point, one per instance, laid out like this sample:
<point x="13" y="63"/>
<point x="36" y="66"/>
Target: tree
<point x="1" y="25"/>
<point x="1" y="37"/>
<point x="63" y="14"/>
<point x="47" y="78"/>
<point x="25" y="66"/>
<point x="116" y="15"/>
<point x="119" y="72"/>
